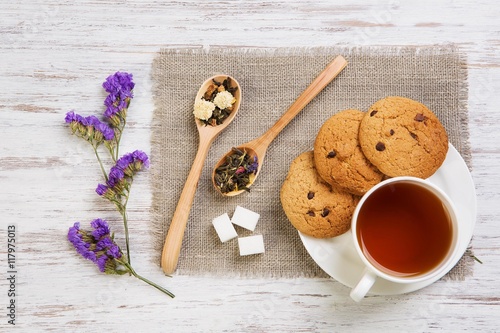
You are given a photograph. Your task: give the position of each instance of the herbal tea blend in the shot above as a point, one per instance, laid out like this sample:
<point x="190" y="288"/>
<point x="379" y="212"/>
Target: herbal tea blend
<point x="217" y="103"/>
<point x="236" y="172"/>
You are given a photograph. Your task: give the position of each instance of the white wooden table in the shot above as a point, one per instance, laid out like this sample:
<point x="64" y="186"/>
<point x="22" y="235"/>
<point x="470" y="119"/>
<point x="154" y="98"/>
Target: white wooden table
<point x="53" y="57"/>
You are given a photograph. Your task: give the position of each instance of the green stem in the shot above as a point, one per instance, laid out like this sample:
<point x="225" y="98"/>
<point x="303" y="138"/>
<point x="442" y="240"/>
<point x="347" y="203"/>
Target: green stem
<point x="111" y="152"/>
<point x="477" y="259"/>
<point x="125" y="224"/>
<point x="125" y="221"/>
<point x="120" y="130"/>
<point x="163" y="290"/>
<point x="100" y="162"/>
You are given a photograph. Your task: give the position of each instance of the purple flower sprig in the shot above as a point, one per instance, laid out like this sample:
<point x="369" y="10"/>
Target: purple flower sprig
<point x="119" y="182"/>
<point x="89" y="128"/>
<point x="119" y="87"/>
<point x="98" y="246"/>
<point x="121" y="176"/>
<point x="92" y="130"/>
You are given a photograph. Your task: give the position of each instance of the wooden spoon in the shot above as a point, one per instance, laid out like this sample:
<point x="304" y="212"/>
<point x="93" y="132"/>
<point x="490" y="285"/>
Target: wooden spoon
<point x="258" y="147"/>
<point x="207" y="134"/>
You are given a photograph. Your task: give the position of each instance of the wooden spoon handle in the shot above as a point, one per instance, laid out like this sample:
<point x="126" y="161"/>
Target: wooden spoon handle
<point x="175" y="234"/>
<point x="322" y="80"/>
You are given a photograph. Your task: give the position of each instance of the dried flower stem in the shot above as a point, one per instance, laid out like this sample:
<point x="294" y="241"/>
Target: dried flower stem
<point x="477" y="259"/>
<point x="125" y="221"/>
<point x="151" y="283"/>
<point x="111" y="153"/>
<point x="100" y="162"/>
<point x="118" y="137"/>
<point x="122" y="208"/>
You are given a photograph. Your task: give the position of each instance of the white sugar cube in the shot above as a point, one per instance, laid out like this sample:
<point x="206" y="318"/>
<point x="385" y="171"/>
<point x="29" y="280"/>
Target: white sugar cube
<point x="251" y="245"/>
<point x="224" y="228"/>
<point x="245" y="218"/>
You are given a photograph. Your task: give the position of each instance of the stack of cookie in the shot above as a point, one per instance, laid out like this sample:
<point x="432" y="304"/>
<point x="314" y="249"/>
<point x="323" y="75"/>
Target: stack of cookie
<point x="355" y="150"/>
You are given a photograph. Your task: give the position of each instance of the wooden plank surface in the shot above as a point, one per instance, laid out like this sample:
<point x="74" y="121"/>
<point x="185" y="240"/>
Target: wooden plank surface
<point x="54" y="56"/>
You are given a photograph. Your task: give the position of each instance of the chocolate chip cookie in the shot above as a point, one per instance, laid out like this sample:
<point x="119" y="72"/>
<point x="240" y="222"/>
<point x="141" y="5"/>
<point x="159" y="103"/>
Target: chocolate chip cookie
<point x="402" y="137"/>
<point x="313" y="206"/>
<point x="338" y="156"/>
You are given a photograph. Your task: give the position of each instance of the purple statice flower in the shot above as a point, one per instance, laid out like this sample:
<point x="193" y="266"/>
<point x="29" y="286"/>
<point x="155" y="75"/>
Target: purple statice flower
<point x="104" y="243"/>
<point x="105" y="247"/>
<point x="114" y="251"/>
<point x="101" y="189"/>
<point x="90" y="127"/>
<point x="109" y="246"/>
<point x="77" y="123"/>
<point x="71" y="116"/>
<point x="119" y="86"/>
<point x="132" y="162"/>
<point x="115" y="104"/>
<point x="107" y="132"/>
<point x="101" y="228"/>
<point x="124" y="161"/>
<point x="125" y="167"/>
<point x="142" y="157"/>
<point x="119" y="83"/>
<point x="108" y="252"/>
<point x="101" y="262"/>
<point x="115" y="177"/>
<point x="105" y="191"/>
<point x="75" y="236"/>
<point x="97" y="246"/>
<point x="90" y="121"/>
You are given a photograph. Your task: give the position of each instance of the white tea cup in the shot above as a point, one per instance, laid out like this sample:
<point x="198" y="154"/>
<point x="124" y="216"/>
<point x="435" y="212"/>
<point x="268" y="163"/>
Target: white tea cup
<point x="405" y="230"/>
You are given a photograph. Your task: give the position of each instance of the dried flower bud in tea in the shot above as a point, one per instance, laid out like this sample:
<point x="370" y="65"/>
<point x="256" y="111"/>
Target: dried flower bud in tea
<point x="237" y="172"/>
<point x="217" y="102"/>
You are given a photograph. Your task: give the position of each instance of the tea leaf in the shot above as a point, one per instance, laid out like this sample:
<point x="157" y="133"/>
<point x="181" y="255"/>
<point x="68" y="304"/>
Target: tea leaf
<point x="234" y="174"/>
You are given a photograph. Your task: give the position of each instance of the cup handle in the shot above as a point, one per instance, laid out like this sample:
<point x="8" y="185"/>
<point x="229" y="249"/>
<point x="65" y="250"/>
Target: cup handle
<point x="364" y="285"/>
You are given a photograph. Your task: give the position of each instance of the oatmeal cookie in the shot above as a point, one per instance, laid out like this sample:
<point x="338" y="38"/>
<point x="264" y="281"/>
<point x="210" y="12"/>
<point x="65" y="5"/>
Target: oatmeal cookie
<point x="402" y="137"/>
<point x="313" y="206"/>
<point x="338" y="156"/>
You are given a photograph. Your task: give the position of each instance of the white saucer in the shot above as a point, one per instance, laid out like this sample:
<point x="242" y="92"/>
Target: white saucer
<point x="338" y="258"/>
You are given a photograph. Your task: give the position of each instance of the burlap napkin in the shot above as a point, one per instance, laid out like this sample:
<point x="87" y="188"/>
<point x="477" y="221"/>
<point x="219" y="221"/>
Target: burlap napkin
<point x="271" y="79"/>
